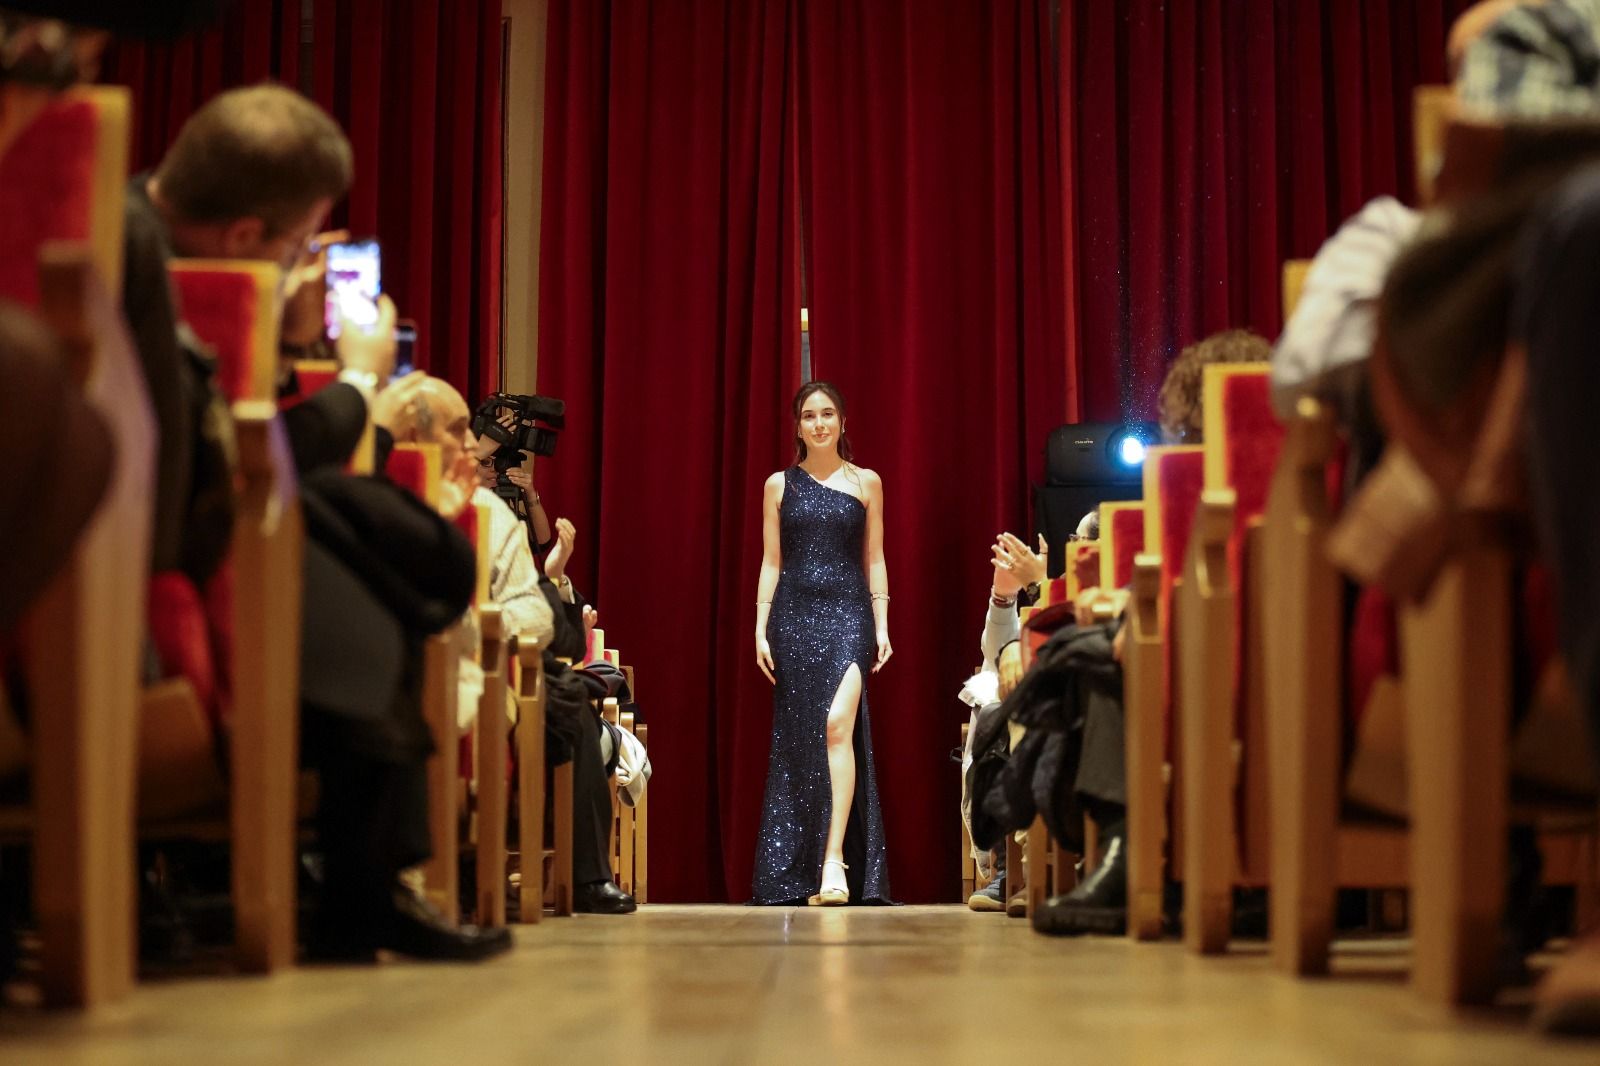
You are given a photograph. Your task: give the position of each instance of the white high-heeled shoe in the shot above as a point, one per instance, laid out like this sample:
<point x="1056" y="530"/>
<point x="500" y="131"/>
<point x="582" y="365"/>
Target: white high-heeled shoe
<point x="834" y="895"/>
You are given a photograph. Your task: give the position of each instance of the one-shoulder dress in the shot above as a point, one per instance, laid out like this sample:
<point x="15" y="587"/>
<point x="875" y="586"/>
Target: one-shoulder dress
<point x="820" y="622"/>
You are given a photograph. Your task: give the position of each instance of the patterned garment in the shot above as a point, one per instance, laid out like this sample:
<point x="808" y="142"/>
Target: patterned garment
<point x="821" y="623"/>
<point x="1325" y="344"/>
<point x="1537" y="61"/>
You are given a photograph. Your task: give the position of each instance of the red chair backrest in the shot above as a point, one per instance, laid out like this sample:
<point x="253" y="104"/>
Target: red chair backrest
<point x="1127" y="541"/>
<point x="1174" y="479"/>
<point x="230" y="307"/>
<point x="408" y="468"/>
<point x="1244" y="454"/>
<point x="61" y="180"/>
<point x="48" y="179"/>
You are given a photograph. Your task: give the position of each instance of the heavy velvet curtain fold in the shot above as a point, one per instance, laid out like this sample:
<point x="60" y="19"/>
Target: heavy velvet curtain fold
<point x="1210" y="140"/>
<point x="669" y="322"/>
<point x="416" y="85"/>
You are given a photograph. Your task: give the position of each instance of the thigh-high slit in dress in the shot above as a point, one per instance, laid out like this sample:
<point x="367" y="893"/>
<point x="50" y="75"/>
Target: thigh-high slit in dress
<point x="820" y="624"/>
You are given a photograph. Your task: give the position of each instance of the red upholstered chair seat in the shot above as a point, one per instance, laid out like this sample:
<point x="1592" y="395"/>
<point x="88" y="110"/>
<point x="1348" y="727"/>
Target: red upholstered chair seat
<point x="48" y="178"/>
<point x="182" y="637"/>
<point x="1374" y="650"/>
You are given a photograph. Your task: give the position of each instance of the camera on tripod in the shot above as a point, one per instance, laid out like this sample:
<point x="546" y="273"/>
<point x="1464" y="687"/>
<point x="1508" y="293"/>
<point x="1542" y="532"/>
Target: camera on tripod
<point x="518" y="424"/>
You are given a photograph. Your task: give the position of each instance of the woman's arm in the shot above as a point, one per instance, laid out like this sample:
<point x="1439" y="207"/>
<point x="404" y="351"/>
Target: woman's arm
<point x="877" y="571"/>
<point x="771" y="563"/>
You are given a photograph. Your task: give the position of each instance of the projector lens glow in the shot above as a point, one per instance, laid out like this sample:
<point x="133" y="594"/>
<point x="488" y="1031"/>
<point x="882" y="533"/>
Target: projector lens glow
<point x="1131" y="450"/>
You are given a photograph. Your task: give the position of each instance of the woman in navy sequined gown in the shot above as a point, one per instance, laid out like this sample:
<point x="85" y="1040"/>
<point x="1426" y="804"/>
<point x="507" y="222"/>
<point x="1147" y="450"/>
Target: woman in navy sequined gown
<point x="822" y="627"/>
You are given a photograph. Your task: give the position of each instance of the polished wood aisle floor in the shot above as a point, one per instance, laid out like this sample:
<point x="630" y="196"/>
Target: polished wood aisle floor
<point x="744" y="985"/>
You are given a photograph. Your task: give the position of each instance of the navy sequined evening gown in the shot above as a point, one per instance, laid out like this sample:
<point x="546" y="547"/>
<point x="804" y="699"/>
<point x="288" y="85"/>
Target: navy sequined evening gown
<point x="820" y="622"/>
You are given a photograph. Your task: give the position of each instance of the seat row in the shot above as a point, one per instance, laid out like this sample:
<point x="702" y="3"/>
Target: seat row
<point x="114" y="761"/>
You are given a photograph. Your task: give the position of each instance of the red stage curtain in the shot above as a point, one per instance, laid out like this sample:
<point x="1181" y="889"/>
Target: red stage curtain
<point x="669" y="322"/>
<point x="1210" y="141"/>
<point x="934" y="277"/>
<point x="416" y="85"/>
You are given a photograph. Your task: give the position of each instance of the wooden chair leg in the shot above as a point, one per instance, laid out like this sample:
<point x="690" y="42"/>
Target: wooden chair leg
<point x="562" y="874"/>
<point x="1145" y="754"/>
<point x="625" y="833"/>
<point x="1302" y="651"/>
<point x="1206" y="713"/>
<point x="491" y="746"/>
<point x="969" y="866"/>
<point x="86" y="701"/>
<point x="441" y="874"/>
<point x="641" y="831"/>
<point x="530" y="776"/>
<point x="1455" y="651"/>
<point x="1038" y="864"/>
<point x="1016" y="873"/>
<point x="264" y="749"/>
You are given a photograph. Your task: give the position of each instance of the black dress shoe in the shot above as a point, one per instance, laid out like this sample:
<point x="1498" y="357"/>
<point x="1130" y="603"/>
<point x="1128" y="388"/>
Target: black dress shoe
<point x="409" y="926"/>
<point x="603" y="897"/>
<point x="418" y="930"/>
<point x="1098" y="905"/>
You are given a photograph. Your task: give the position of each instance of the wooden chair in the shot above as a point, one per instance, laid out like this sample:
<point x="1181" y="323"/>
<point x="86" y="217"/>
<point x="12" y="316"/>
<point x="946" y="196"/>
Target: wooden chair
<point x="1220" y="702"/>
<point x="61" y="255"/>
<point x="629" y="826"/>
<point x="416" y="467"/>
<point x="531" y="695"/>
<point x="232" y="307"/>
<point x="1121" y="540"/>
<point x="1172" y="483"/>
<point x="490" y="734"/>
<point x="1083" y="564"/>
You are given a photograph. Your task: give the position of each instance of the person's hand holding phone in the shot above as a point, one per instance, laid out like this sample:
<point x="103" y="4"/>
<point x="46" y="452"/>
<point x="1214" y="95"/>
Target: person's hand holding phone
<point x="305" y="292"/>
<point x="369" y="348"/>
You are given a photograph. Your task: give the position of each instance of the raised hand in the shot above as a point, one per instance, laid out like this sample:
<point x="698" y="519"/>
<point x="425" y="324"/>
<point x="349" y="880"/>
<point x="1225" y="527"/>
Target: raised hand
<point x="305" y="291"/>
<point x="1027" y="566"/>
<point x="555" y="564"/>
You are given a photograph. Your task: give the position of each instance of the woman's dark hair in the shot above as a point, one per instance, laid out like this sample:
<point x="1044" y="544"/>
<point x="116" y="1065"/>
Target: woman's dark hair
<point x="831" y="391"/>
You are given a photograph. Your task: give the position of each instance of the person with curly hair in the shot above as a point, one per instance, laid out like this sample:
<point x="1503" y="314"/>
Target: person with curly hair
<point x="1180" y="406"/>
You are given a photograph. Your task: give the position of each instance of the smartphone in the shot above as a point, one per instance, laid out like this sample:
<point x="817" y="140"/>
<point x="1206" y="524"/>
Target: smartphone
<point x="355" y="274"/>
<point x="405" y="347"/>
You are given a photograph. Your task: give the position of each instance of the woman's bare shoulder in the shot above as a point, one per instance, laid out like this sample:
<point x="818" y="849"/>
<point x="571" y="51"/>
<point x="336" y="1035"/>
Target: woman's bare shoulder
<point x="774" y="484"/>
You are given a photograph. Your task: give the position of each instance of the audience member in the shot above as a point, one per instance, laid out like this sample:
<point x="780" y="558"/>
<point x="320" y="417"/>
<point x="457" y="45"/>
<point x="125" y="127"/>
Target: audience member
<point x="982" y="693"/>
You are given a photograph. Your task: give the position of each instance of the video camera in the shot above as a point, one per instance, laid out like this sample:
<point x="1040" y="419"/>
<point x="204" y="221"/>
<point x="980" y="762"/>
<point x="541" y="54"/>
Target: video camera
<point x="517" y="425"/>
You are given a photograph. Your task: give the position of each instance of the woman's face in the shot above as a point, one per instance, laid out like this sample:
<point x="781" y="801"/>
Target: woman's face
<point x="820" y="424"/>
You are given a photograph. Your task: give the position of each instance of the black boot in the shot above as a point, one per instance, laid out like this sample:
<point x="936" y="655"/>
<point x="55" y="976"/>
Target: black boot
<point x="1098" y="905"/>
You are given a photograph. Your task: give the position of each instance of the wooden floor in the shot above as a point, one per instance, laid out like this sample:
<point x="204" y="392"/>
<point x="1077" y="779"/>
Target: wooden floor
<point x="746" y="985"/>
